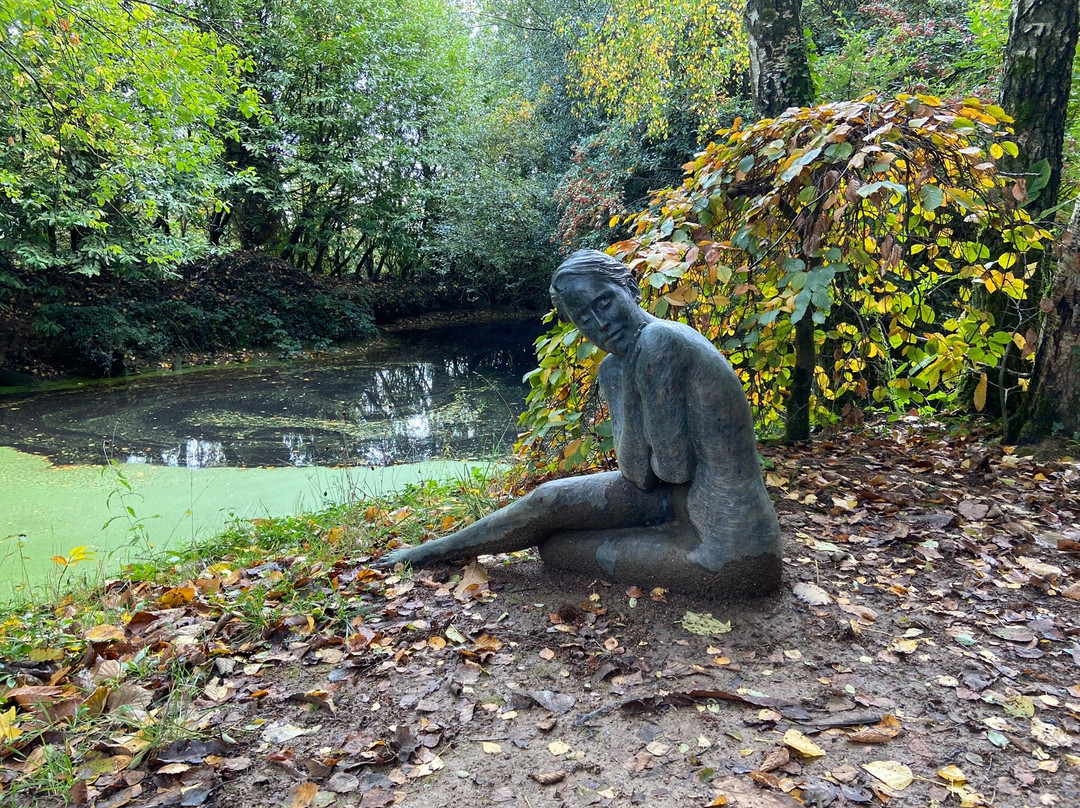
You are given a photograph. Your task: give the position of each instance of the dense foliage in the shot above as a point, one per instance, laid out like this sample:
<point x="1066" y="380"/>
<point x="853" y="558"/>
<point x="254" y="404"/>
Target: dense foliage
<point x="873" y="220"/>
<point x="462" y="148"/>
<point x="110" y="132"/>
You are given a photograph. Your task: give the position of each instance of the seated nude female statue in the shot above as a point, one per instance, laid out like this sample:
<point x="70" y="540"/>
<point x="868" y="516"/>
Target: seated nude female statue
<point x="687" y="509"/>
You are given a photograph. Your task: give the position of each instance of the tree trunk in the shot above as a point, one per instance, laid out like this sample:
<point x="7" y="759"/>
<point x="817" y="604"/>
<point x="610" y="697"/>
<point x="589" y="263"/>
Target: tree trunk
<point x="797" y="417"/>
<point x="1056" y="387"/>
<point x="779" y="66"/>
<point x="780" y="75"/>
<point x="1035" y="91"/>
<point x="1035" y="85"/>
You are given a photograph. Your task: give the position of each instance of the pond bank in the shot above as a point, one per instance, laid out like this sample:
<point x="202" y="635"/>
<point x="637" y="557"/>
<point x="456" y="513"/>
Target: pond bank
<point x="231" y="308"/>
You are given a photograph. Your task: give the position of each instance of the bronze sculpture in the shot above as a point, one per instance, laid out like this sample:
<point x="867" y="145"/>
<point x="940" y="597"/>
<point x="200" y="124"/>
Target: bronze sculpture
<point x="688" y="509"/>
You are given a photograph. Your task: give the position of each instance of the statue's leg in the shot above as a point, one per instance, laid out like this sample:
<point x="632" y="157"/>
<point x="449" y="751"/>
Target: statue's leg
<point x="662" y="556"/>
<point x="667" y="555"/>
<point x="595" y="502"/>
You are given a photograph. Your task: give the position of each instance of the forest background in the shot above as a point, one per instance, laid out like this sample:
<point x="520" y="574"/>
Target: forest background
<point x="219" y="175"/>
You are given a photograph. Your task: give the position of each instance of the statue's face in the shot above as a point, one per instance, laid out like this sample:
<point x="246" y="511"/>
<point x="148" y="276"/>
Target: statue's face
<point x="603" y="311"/>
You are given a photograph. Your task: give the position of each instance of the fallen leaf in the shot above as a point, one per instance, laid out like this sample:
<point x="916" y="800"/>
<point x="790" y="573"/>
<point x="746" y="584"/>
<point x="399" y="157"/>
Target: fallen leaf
<point x="491" y="748"/>
<point x="891" y="772"/>
<point x="801" y="745"/>
<point x="882" y="732"/>
<point x="776" y="759"/>
<point x="105" y="633"/>
<point x="343" y="783"/>
<point x="735" y="791"/>
<point x="177" y="597"/>
<point x="558" y="748"/>
<point x="704" y="624"/>
<point x="474" y="580"/>
<point x="812" y="594"/>
<point x="952" y="775"/>
<point x="548" y="778"/>
<point x="557" y="703"/>
<point x="283" y="733"/>
<point x="8" y="731"/>
<point x="455" y="636"/>
<point x="972" y="510"/>
<point x="1046" y="571"/>
<point x="301" y="796"/>
<point x="1050" y="735"/>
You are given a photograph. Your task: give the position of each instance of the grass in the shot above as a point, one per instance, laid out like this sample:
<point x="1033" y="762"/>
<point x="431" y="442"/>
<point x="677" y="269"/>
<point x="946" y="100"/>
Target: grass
<point x="107" y="679"/>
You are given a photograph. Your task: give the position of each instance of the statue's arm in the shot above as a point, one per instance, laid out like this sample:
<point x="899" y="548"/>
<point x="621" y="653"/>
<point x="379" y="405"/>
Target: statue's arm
<point x="627" y="428"/>
<point x="661" y="374"/>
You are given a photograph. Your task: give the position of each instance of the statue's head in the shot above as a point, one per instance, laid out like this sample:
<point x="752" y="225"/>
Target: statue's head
<point x="597" y="264"/>
<point x="600" y="296"/>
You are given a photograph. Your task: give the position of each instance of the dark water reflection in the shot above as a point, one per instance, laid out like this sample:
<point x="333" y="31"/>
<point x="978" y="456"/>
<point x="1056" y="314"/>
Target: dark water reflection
<point x="452" y="392"/>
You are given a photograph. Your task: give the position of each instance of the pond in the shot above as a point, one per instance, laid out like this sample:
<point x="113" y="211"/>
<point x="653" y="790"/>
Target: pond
<point x="202" y="446"/>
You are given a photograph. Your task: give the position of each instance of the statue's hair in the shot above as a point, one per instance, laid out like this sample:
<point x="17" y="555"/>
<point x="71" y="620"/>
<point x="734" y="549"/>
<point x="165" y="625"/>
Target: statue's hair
<point x="597" y="264"/>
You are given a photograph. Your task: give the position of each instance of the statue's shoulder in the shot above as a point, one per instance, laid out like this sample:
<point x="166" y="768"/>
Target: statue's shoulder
<point x="672" y="342"/>
<point x="668" y="336"/>
<point x="610" y="368"/>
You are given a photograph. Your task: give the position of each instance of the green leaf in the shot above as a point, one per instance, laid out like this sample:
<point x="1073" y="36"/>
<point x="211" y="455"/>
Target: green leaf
<point x="873" y="187"/>
<point x="931" y="197"/>
<point x="1041" y="176"/>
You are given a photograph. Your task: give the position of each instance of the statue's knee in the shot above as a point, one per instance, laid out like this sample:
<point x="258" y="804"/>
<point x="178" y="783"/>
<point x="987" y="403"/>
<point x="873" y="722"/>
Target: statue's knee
<point x="550" y="495"/>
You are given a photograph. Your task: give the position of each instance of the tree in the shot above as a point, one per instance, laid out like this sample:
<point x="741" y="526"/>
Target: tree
<point x="779" y="65"/>
<point x="108" y="155"/>
<point x="1055" y="395"/>
<point x="1035" y="91"/>
<point x="1035" y="87"/>
<point x="780" y="77"/>
<point x="645" y="59"/>
<point x="337" y="177"/>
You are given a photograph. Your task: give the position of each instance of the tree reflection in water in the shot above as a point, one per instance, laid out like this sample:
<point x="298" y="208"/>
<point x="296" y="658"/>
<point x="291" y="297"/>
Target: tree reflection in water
<point x="454" y="392"/>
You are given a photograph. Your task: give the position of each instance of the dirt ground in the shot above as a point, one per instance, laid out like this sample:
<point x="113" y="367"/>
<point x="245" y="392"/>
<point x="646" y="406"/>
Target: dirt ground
<point x="923" y="650"/>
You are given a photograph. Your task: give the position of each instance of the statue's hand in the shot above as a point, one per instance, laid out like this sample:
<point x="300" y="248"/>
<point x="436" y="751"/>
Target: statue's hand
<point x="413" y="556"/>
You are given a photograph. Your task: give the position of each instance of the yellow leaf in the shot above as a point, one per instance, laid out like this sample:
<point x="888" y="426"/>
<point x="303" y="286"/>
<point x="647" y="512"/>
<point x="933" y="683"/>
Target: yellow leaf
<point x="801" y="745"/>
<point x="105" y="633"/>
<point x="179" y="596"/>
<point x="95" y="705"/>
<point x="952" y="774"/>
<point x="682" y="295"/>
<point x="302" y="795"/>
<point x="491" y="748"/>
<point x="558" y="748"/>
<point x="63" y="562"/>
<point x="891" y="772"/>
<point x="969" y="797"/>
<point x="80" y="553"/>
<point x="980" y="393"/>
<point x="8" y="731"/>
